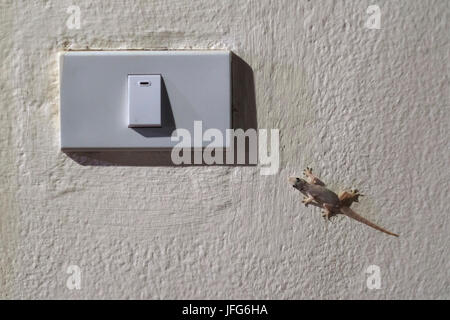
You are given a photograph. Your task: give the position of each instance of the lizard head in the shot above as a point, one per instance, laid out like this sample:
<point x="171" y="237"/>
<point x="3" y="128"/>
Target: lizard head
<point x="297" y="183"/>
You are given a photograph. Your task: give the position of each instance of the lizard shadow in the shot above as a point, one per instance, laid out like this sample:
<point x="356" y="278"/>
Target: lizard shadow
<point x="244" y="116"/>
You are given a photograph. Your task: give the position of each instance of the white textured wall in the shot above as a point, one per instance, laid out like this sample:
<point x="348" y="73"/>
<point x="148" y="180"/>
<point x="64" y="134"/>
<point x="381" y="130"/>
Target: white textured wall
<point x="365" y="108"/>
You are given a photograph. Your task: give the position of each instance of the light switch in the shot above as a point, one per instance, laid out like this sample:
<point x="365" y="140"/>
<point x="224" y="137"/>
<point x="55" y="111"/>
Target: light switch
<point x="102" y="93"/>
<point x="144" y="101"/>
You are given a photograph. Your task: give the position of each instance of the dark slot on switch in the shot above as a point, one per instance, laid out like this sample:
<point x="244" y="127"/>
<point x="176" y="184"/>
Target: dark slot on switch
<point x="144" y="83"/>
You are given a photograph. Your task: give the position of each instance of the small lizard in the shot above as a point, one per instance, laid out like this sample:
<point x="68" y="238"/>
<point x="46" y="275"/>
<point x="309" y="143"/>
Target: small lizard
<point x="318" y="195"/>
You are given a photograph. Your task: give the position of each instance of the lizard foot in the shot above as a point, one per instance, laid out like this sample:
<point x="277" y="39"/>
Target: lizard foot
<point x="348" y="197"/>
<point x="329" y="211"/>
<point x="307" y="200"/>
<point x="355" y="193"/>
<point x="326" y="215"/>
<point x="312" y="179"/>
<point x="307" y="172"/>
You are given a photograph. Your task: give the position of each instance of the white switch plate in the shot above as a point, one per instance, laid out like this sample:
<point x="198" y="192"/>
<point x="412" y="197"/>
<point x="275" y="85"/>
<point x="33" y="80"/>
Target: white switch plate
<point x="195" y="86"/>
<point x="144" y="101"/>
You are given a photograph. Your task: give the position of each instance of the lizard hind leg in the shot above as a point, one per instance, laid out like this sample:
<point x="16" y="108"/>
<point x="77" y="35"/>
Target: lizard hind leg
<point x="326" y="215"/>
<point x="348" y="197"/>
<point x="328" y="211"/>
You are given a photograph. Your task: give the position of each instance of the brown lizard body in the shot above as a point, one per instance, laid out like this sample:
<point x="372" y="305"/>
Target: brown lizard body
<point x="318" y="195"/>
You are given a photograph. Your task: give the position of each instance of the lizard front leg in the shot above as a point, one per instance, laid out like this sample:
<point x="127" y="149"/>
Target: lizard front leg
<point x="308" y="200"/>
<point x="312" y="179"/>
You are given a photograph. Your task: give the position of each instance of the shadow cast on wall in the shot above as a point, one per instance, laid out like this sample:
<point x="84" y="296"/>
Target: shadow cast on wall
<point x="243" y="117"/>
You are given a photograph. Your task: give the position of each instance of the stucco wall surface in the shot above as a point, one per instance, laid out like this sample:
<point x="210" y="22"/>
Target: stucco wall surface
<point x="365" y="108"/>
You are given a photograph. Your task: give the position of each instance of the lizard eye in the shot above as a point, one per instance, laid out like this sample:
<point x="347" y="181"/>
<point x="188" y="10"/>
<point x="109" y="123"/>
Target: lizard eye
<point x="297" y="179"/>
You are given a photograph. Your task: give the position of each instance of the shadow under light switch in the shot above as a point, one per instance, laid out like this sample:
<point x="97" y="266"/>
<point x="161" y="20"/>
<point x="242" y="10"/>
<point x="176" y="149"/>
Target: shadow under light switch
<point x="144" y="101"/>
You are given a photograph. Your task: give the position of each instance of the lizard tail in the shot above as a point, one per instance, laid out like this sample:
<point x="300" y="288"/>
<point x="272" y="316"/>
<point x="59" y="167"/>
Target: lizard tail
<point x="352" y="214"/>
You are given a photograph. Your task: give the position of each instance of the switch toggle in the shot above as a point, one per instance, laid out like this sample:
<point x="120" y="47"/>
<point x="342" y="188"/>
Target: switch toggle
<point x="144" y="101"/>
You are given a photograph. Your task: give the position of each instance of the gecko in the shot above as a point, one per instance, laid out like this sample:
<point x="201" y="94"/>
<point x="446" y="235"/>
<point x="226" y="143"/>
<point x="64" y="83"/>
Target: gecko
<point x="316" y="193"/>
